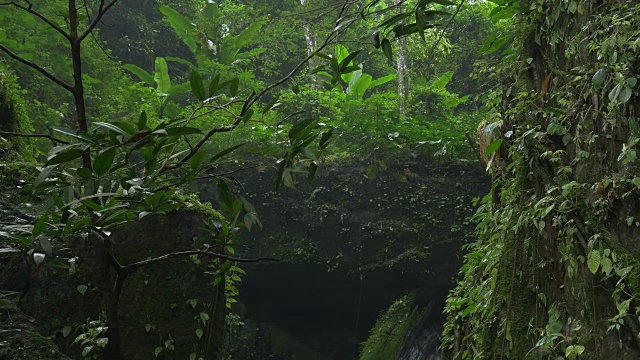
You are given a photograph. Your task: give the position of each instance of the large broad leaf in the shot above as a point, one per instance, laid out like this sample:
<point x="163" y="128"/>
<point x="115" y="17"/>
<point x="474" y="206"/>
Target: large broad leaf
<point x="65" y="156"/>
<point x="441" y="81"/>
<point x="197" y="87"/>
<point x="382" y="80"/>
<point x="351" y="77"/>
<point x="251" y="53"/>
<point x="231" y="44"/>
<point x="180" y="61"/>
<point x="140" y="73"/>
<point x="182" y="26"/>
<point x="103" y="162"/>
<point x="340" y="52"/>
<point x="493" y="147"/>
<point x="359" y="87"/>
<point x="162" y="76"/>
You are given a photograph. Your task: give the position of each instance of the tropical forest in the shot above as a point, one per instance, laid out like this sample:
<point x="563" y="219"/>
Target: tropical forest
<point x="319" y="179"/>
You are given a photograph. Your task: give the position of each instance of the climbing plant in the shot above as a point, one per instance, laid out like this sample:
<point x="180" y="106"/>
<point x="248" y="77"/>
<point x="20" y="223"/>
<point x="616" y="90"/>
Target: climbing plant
<point x="554" y="271"/>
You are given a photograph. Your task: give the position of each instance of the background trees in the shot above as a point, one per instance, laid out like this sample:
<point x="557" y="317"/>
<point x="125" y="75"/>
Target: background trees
<point x="187" y="90"/>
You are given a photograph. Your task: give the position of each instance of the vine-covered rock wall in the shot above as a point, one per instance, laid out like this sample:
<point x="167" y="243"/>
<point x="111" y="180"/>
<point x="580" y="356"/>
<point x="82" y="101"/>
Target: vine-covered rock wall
<point x="554" y="272"/>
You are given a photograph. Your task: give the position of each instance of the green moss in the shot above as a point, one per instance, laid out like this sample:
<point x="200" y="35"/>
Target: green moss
<point x="191" y="202"/>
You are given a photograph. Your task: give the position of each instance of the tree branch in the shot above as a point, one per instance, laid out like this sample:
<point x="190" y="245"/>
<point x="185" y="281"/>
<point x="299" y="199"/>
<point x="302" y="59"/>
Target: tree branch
<point x="38" y="68"/>
<point x="135" y="266"/>
<point x="47" y="136"/>
<point x="295" y="70"/>
<point x="253" y="98"/>
<point x="444" y="29"/>
<point x="101" y="11"/>
<point x="39" y="16"/>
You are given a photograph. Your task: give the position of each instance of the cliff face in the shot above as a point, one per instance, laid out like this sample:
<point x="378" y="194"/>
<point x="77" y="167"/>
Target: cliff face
<point x="161" y="305"/>
<point x="555" y="271"/>
<point x="363" y="236"/>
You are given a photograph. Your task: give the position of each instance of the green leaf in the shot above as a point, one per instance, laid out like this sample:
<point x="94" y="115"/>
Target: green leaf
<point x="382" y="80"/>
<point x="140" y="73"/>
<point x="468" y="310"/>
<point x="442" y="81"/>
<point x="593" y="261"/>
<point x="182" y="26"/>
<point x="180" y="61"/>
<point x="299" y="128"/>
<point x="82" y="289"/>
<point x="224" y="152"/>
<point x="40" y="225"/>
<point x="359" y="87"/>
<point x="598" y="78"/>
<point x="493" y="147"/>
<point x="65" y="156"/>
<point x="615" y="92"/>
<point x="103" y="162"/>
<point x="199" y="333"/>
<point x="142" y="121"/>
<point x="386" y="49"/>
<point x="44" y="174"/>
<point x="233" y="87"/>
<point x="625" y="94"/>
<point x="161" y="76"/>
<point x="197" y="87"/>
<point x="247" y="115"/>
<point x="345" y="62"/>
<point x="213" y="85"/>
<point x="112" y="127"/>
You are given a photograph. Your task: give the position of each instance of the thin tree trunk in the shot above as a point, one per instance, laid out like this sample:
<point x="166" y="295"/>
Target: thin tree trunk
<point x="113" y="350"/>
<point x="403" y="85"/>
<point x="310" y="40"/>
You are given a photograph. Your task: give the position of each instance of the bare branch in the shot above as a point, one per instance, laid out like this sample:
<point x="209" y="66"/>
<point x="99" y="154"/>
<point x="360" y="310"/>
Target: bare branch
<point x="101" y="11"/>
<point x="30" y="10"/>
<point x="135" y="266"/>
<point x="38" y="68"/>
<point x="47" y="136"/>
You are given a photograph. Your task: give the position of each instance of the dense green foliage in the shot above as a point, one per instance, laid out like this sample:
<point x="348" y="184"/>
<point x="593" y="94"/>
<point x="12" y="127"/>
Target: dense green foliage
<point x="200" y="90"/>
<point x="554" y="271"/>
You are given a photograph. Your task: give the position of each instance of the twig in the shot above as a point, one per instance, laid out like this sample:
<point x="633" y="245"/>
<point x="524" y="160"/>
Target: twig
<point x="101" y="11"/>
<point x="39" y="16"/>
<point x="38" y="68"/>
<point x="295" y="70"/>
<point x="52" y="138"/>
<point x="135" y="266"/>
<point x="444" y="29"/>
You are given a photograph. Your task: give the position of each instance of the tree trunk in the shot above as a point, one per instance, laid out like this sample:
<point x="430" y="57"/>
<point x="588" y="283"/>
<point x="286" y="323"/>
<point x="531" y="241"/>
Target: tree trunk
<point x="401" y="67"/>
<point x="311" y="42"/>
